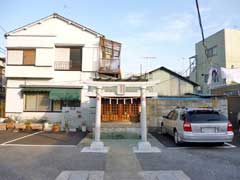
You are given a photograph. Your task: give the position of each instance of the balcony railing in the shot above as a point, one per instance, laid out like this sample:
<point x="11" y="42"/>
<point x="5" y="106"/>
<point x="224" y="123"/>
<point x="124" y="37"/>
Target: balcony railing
<point x="67" y="66"/>
<point x="109" y="66"/>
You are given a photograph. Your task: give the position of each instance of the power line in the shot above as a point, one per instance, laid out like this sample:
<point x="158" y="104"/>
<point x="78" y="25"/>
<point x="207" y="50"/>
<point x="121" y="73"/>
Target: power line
<point x="3" y="49"/>
<point x="203" y="37"/>
<point x="3" y="29"/>
<point x="200" y="24"/>
<point x="202" y="32"/>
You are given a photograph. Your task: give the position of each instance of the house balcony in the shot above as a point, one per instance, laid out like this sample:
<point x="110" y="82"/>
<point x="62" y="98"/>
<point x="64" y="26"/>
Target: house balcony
<point x="67" y="66"/>
<point x="109" y="66"/>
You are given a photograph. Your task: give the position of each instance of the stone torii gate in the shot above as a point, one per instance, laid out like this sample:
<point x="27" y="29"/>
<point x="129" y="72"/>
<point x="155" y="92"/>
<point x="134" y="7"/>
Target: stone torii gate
<point x="143" y="146"/>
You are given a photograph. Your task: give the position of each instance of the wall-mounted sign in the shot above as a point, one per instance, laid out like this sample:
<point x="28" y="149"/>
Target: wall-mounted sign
<point x="121" y="89"/>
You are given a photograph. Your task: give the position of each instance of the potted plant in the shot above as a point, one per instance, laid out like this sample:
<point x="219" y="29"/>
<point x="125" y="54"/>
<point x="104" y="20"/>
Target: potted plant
<point x="3" y="126"/>
<point x="84" y="127"/>
<point x="56" y="127"/>
<point x="45" y="123"/>
<point x="10" y="123"/>
<point x="20" y="125"/>
<point x="28" y="124"/>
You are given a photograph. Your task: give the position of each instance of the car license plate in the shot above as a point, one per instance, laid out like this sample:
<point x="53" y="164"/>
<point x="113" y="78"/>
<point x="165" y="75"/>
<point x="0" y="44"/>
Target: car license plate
<point x="208" y="130"/>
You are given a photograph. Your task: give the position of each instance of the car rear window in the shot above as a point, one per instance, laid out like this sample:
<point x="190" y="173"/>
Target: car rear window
<point x="206" y="117"/>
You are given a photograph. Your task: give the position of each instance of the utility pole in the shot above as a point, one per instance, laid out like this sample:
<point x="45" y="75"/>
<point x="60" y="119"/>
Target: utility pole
<point x="141" y="69"/>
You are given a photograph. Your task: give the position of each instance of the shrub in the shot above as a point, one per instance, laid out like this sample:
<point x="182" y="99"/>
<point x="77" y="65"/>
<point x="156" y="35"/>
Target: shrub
<point x="42" y="121"/>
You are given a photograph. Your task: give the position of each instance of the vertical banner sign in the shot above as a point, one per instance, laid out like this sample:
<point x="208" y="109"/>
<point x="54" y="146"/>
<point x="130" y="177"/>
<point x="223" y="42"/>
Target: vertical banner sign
<point x="121" y="89"/>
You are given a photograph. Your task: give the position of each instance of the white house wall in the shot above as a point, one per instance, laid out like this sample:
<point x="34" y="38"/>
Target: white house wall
<point x="15" y="57"/>
<point x="28" y="72"/>
<point x="44" y="56"/>
<point x="232" y="44"/>
<point x="90" y="56"/>
<point x="30" y="41"/>
<point x="14" y="100"/>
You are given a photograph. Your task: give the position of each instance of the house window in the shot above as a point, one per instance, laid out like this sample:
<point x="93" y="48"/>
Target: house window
<point x="40" y="102"/>
<point x="37" y="102"/>
<point x="29" y="56"/>
<point x="58" y="104"/>
<point x="211" y="51"/>
<point x="71" y="103"/>
<point x="76" y="58"/>
<point x="68" y="58"/>
<point x="206" y="78"/>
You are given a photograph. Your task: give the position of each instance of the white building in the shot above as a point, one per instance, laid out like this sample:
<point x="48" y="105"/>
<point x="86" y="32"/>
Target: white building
<point x="222" y="51"/>
<point x="48" y="64"/>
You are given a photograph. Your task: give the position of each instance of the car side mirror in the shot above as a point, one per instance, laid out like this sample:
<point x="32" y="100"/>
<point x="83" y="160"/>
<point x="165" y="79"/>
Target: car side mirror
<point x="165" y="117"/>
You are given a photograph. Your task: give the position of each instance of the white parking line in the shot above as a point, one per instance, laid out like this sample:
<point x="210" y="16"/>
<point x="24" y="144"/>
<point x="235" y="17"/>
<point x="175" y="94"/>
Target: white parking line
<point x="200" y="147"/>
<point x="233" y="146"/>
<point x="36" y="145"/>
<point x="21" y="137"/>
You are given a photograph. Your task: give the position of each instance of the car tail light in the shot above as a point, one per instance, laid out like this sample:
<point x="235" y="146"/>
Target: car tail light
<point x="229" y="127"/>
<point x="187" y="126"/>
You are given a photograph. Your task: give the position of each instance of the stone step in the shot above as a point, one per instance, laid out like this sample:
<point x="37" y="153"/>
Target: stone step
<point x="120" y="125"/>
<point x="120" y="130"/>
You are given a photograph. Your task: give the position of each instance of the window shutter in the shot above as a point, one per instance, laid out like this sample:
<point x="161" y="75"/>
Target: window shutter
<point x="29" y="57"/>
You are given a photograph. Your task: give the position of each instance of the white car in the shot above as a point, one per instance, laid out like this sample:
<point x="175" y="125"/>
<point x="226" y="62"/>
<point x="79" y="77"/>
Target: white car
<point x="197" y="125"/>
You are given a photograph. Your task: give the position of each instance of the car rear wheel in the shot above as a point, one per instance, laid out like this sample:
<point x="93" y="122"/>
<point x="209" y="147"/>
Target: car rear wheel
<point x="177" y="138"/>
<point x="220" y="143"/>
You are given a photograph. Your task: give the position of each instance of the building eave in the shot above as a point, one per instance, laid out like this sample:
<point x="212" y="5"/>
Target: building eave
<point x="52" y="86"/>
<point x="55" y="15"/>
<point x="175" y="74"/>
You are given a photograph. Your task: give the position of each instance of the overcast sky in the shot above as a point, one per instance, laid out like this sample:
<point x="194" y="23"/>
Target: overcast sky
<point x="167" y="30"/>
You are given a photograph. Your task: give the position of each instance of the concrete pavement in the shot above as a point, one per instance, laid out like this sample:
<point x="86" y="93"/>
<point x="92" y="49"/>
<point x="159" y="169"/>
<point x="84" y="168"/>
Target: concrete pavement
<point x="200" y="163"/>
<point x="121" y="162"/>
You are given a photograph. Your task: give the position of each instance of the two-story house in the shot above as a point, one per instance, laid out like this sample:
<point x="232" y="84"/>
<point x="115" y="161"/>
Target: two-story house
<point x="48" y="62"/>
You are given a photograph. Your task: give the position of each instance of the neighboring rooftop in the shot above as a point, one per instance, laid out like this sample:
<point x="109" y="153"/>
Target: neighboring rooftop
<point x="174" y="74"/>
<point x="131" y="79"/>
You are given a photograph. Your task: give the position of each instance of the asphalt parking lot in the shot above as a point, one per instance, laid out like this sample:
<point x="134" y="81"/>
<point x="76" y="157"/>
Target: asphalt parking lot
<point x="196" y="163"/>
<point x="236" y="139"/>
<point x="45" y="163"/>
<point x="40" y="138"/>
<point x="37" y="161"/>
<point x="6" y="136"/>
